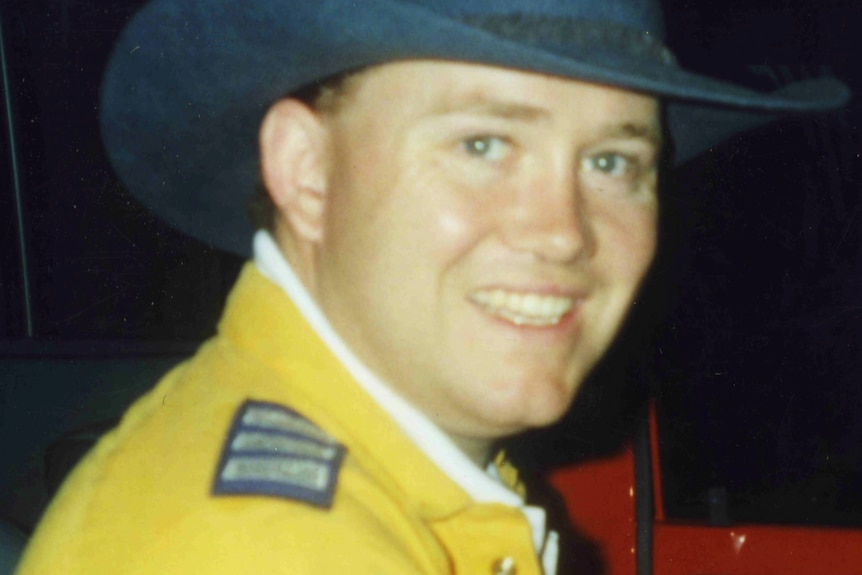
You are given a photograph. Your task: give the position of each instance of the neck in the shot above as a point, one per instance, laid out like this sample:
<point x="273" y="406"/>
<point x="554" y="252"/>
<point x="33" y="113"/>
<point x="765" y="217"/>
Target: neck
<point x="299" y="255"/>
<point x="477" y="449"/>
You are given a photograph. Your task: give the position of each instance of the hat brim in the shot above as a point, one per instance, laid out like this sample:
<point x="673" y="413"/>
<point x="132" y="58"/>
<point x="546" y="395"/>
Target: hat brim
<point x="189" y="82"/>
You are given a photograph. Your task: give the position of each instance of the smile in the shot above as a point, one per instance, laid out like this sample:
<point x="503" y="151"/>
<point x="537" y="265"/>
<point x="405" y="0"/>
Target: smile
<point x="523" y="308"/>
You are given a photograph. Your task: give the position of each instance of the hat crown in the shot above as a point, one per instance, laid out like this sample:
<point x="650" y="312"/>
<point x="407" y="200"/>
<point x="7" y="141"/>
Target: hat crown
<point x="643" y="16"/>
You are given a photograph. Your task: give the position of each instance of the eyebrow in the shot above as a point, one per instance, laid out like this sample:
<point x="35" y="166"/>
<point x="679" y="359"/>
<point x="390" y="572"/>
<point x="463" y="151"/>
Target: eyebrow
<point x="480" y="103"/>
<point x="647" y="131"/>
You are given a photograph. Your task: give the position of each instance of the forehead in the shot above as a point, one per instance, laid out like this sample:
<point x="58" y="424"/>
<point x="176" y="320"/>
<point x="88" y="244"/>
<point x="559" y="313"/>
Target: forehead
<point x="430" y="87"/>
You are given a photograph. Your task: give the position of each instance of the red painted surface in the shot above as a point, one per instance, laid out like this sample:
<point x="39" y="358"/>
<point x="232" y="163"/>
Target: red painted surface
<point x="599" y="496"/>
<point x="756" y="550"/>
<point x="655" y="464"/>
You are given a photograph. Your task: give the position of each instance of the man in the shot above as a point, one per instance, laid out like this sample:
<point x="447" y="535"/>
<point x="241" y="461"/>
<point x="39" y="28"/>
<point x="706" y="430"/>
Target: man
<point x="463" y="203"/>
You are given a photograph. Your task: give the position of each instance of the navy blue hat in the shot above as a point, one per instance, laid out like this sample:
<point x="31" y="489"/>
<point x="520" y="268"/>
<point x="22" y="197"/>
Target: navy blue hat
<point x="190" y="81"/>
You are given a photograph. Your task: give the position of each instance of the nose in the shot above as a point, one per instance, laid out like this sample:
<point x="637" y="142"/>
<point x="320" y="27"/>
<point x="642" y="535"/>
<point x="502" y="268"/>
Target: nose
<point x="551" y="220"/>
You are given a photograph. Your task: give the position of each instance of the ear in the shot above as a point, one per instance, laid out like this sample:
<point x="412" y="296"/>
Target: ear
<point x="293" y="153"/>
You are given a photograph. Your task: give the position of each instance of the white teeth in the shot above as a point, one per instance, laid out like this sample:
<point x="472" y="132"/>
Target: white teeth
<point x="523" y="309"/>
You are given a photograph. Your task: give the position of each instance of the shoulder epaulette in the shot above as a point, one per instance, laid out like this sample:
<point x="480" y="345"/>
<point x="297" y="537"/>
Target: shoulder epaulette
<point x="274" y="451"/>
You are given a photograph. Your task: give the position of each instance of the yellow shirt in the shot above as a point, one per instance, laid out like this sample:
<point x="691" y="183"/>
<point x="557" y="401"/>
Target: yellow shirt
<point x="262" y="455"/>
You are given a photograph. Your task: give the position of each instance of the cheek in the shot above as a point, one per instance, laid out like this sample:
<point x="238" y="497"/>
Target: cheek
<point x="455" y="230"/>
<point x="445" y="221"/>
<point x="452" y="224"/>
<point x="630" y="242"/>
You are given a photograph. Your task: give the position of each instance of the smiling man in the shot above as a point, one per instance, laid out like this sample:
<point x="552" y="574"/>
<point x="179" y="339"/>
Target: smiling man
<point x="463" y="204"/>
<point x="474" y="235"/>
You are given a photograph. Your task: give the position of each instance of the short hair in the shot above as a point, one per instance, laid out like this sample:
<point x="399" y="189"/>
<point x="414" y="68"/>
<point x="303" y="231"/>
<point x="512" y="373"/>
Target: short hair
<point x="323" y="96"/>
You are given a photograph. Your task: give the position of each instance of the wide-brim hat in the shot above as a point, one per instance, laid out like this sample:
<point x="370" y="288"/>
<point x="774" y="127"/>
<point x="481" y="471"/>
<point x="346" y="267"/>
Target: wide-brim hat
<point x="190" y="81"/>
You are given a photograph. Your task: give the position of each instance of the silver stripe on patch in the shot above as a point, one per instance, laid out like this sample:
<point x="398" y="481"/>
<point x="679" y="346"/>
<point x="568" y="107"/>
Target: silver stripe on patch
<point x="277" y="419"/>
<point x="257" y="441"/>
<point x="297" y="472"/>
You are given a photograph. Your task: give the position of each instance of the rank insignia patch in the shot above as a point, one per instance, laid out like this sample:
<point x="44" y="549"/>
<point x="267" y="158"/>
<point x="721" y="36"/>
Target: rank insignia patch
<point x="272" y="450"/>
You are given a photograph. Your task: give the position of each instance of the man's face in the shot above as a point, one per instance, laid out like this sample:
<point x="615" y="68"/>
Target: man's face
<point x="485" y="233"/>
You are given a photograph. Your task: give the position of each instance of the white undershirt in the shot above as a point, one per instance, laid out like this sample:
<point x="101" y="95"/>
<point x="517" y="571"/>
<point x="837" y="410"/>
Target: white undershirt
<point x="483" y="487"/>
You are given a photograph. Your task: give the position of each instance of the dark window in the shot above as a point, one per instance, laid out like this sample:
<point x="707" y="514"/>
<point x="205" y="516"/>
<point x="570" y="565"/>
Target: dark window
<point x="759" y="362"/>
<point x="99" y="266"/>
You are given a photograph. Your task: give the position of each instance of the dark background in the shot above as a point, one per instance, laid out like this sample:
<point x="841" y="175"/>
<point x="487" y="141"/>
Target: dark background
<point x="760" y="361"/>
<point x="749" y="333"/>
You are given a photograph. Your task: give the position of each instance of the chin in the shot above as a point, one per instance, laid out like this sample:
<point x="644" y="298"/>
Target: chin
<point x="548" y="416"/>
<point x="535" y="406"/>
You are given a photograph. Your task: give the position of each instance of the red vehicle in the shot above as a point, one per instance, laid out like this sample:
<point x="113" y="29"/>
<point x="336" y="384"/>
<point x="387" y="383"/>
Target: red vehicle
<point x="618" y="503"/>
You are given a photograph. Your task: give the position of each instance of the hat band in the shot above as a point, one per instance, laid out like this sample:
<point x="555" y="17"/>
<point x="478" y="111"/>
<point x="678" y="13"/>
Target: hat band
<point x="574" y="33"/>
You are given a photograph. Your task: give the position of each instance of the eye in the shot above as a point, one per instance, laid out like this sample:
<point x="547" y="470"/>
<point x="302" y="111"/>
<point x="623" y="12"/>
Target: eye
<point x="493" y="148"/>
<point x="611" y="164"/>
<point x="621" y="173"/>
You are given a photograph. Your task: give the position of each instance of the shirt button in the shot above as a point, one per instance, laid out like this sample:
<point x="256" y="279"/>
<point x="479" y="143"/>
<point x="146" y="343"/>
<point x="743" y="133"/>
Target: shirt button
<point x="504" y="566"/>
